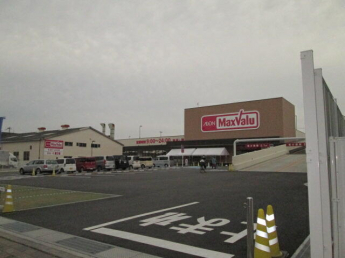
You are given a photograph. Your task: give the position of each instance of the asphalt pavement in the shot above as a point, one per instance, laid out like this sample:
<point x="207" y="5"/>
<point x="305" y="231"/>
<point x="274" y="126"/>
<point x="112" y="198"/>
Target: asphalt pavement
<point x="173" y="212"/>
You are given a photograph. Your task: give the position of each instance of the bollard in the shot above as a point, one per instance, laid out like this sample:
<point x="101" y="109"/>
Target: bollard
<point x="33" y="172"/>
<point x="250" y="228"/>
<point x="53" y="174"/>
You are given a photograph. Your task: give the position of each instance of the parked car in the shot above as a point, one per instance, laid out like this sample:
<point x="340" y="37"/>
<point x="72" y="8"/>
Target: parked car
<point x="131" y="159"/>
<point x="66" y="165"/>
<point x="162" y="161"/>
<point x="104" y="162"/>
<point x="85" y="164"/>
<point x="143" y="162"/>
<point x="121" y="162"/>
<point x="39" y="166"/>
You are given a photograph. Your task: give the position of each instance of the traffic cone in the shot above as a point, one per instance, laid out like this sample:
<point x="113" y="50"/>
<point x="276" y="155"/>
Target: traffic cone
<point x="262" y="248"/>
<point x="8" y="207"/>
<point x="272" y="233"/>
<point x="33" y="172"/>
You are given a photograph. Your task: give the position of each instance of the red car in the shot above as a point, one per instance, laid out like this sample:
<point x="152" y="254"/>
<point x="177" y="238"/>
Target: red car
<point x="85" y="164"/>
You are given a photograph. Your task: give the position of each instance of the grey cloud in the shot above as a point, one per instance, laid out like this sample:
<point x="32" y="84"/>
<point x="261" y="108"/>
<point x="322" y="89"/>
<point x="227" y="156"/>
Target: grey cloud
<point x="143" y="62"/>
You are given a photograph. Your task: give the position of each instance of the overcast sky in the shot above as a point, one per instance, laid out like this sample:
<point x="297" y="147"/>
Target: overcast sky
<point x="142" y="62"/>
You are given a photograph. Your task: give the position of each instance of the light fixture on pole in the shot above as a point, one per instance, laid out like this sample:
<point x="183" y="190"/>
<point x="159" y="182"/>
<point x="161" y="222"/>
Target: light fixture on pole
<point x="139" y="130"/>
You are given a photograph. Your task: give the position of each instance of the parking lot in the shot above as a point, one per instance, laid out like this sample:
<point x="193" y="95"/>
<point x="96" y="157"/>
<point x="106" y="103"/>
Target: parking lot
<point x="168" y="212"/>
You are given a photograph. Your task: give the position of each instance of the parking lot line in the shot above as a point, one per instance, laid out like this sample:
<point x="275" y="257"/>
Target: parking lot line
<point x="138" y="216"/>
<point x="200" y="252"/>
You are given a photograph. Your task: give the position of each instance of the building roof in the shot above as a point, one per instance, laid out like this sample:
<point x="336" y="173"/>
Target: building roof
<point x="37" y="136"/>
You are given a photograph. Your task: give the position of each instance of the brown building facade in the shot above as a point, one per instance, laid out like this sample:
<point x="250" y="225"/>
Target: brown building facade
<point x="252" y="119"/>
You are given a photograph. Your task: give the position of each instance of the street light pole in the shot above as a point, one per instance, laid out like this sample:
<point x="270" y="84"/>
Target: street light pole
<point x="139" y="130"/>
<point x="91" y="147"/>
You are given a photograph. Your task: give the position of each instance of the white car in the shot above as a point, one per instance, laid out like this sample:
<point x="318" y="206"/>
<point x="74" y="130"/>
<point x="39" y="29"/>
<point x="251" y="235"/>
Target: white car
<point x="162" y="161"/>
<point x="143" y="162"/>
<point x="66" y="165"/>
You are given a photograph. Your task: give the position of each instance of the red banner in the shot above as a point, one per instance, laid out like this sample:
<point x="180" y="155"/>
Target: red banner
<point x="295" y="144"/>
<point x="53" y="144"/>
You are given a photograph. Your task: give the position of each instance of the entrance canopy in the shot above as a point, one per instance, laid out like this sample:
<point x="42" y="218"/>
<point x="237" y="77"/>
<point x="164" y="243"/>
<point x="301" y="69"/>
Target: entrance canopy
<point x="177" y="152"/>
<point x="211" y="152"/>
<point x="199" y="152"/>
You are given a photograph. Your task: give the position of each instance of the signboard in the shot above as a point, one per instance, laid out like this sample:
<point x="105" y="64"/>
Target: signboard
<point x="57" y="152"/>
<point x="157" y="140"/>
<point x="53" y="144"/>
<point x="53" y="147"/>
<point x="257" y="145"/>
<point x="295" y="144"/>
<point x="242" y="120"/>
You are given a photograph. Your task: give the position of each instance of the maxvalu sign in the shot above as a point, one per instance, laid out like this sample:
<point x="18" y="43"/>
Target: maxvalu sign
<point x="242" y="120"/>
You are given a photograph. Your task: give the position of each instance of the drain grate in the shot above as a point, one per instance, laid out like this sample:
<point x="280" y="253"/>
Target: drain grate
<point x="20" y="227"/>
<point x="84" y="245"/>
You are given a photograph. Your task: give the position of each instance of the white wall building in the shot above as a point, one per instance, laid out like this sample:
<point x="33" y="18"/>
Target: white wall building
<point x="73" y="142"/>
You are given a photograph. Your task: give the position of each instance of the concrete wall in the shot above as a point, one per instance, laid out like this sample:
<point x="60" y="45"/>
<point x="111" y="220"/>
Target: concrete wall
<point x="255" y="157"/>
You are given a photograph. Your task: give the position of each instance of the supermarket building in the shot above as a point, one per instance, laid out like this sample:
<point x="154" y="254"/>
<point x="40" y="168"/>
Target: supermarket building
<point x="219" y="126"/>
<point x="208" y="130"/>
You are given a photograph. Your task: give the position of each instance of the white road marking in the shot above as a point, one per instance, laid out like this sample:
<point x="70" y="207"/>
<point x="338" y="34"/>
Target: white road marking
<point x="138" y="216"/>
<point x="200" y="252"/>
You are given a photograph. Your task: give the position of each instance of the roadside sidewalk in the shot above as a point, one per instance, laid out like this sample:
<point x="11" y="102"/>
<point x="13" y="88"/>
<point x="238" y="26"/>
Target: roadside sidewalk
<point x="18" y="239"/>
<point x="10" y="247"/>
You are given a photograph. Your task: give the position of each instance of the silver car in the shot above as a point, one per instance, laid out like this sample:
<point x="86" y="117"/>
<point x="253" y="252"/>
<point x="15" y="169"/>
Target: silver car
<point x="39" y="166"/>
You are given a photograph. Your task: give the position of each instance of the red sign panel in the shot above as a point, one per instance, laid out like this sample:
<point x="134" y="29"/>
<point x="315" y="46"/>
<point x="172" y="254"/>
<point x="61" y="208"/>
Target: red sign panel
<point x="242" y="120"/>
<point x="257" y="145"/>
<point x="53" y="144"/>
<point x="295" y="144"/>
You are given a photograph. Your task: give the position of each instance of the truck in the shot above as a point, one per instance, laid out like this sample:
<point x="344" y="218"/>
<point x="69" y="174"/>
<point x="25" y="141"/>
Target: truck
<point x="8" y="160"/>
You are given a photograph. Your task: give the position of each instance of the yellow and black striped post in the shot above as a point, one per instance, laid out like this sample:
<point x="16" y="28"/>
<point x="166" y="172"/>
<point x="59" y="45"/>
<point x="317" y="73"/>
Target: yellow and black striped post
<point x="272" y="233"/>
<point x="8" y="207"/>
<point x="261" y="248"/>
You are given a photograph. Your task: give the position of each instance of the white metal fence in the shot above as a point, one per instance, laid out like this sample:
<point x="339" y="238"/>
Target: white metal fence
<point x="323" y="120"/>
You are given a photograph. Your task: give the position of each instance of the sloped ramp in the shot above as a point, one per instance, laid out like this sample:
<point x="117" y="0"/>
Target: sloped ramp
<point x="287" y="163"/>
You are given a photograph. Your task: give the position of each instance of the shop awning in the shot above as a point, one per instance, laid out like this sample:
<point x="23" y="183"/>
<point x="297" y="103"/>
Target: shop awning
<point x="211" y="152"/>
<point x="177" y="152"/>
<point x="199" y="152"/>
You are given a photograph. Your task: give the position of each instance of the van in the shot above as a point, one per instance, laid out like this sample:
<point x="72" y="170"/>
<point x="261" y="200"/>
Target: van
<point x="66" y="165"/>
<point x="104" y="163"/>
<point x="121" y="162"/>
<point x="143" y="162"/>
<point x="162" y="161"/>
<point x="85" y="163"/>
<point x="131" y="159"/>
